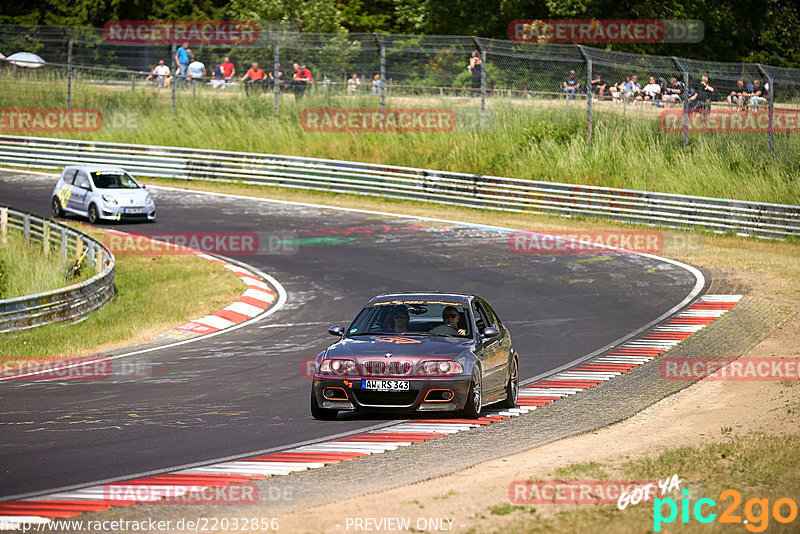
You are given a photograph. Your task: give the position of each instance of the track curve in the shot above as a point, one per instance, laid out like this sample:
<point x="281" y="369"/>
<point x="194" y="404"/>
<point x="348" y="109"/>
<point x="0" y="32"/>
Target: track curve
<point x="243" y="391"/>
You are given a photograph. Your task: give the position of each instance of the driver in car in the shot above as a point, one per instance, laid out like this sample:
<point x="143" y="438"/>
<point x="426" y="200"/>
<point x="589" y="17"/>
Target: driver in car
<point x="450" y="316"/>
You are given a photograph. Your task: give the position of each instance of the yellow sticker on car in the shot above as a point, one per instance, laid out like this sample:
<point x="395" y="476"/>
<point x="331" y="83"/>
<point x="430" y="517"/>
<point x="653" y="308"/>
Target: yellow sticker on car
<point x="64" y="194"/>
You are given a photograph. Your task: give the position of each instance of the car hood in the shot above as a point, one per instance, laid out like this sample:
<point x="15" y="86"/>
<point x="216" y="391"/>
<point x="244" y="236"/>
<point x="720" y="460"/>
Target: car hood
<point x="398" y="346"/>
<point x="126" y="197"/>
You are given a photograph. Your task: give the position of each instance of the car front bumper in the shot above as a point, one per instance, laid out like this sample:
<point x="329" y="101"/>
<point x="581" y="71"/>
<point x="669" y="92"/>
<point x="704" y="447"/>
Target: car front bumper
<point x="423" y="395"/>
<point x="111" y="212"/>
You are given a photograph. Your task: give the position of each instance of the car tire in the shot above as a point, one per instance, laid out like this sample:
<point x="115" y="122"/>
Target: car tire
<point x="472" y="409"/>
<point x="94" y="216"/>
<point x="512" y="386"/>
<point x="320" y="413"/>
<point x="56" y="209"/>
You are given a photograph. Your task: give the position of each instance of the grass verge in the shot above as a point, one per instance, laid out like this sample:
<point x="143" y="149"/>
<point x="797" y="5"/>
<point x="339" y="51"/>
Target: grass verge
<point x="528" y="139"/>
<point x="764" y="467"/>
<point x="25" y="271"/>
<point x="153" y="294"/>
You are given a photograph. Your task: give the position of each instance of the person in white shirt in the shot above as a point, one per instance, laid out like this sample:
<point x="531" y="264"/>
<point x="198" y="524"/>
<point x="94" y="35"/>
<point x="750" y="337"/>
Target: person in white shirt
<point x="652" y="91"/>
<point x="353" y="83"/>
<point x="160" y="72"/>
<point x="196" y="70"/>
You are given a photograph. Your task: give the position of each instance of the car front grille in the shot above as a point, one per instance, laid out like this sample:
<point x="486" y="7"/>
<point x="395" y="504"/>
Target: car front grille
<point x="388" y="368"/>
<point x="368" y="397"/>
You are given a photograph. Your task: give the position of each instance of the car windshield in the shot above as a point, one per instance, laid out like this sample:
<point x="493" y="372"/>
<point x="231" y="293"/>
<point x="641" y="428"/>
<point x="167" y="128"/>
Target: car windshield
<point x="113" y="180"/>
<point x="413" y="317"/>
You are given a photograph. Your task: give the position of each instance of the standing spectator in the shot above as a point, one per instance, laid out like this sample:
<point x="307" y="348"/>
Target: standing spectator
<point x="228" y="69"/>
<point x="757" y="95"/>
<point x="196" y="70"/>
<point x="376" y="83"/>
<point x="571" y="85"/>
<point x="739" y="94"/>
<point x="598" y="85"/>
<point x="632" y="89"/>
<point x="353" y="83"/>
<point x="253" y="78"/>
<point x="476" y="68"/>
<point x="183" y="56"/>
<point x="652" y="91"/>
<point x="301" y="80"/>
<point x="161" y="71"/>
<point x="673" y="92"/>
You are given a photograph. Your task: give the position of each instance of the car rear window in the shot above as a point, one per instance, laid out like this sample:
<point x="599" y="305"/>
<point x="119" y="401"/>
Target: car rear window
<point x="113" y="180"/>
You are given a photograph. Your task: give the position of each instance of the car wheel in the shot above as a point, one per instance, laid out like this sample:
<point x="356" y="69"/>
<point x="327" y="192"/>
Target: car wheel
<point x="320" y="413"/>
<point x="93" y="215"/>
<point x="56" y="208"/>
<point x="474" y="404"/>
<point x="512" y="387"/>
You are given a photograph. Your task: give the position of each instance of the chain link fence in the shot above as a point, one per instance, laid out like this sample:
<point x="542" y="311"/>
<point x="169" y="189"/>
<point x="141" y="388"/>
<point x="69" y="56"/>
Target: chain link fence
<point x="394" y="71"/>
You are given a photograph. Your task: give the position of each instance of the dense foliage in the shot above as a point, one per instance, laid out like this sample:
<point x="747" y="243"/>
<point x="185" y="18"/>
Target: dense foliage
<point x="765" y="31"/>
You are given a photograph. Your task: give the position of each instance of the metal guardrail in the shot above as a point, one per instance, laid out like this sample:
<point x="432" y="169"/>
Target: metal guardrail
<point x="478" y="191"/>
<point x="71" y="303"/>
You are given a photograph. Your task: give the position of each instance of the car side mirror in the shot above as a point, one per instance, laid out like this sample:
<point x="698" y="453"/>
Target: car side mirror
<point x="336" y="330"/>
<point x="491" y="331"/>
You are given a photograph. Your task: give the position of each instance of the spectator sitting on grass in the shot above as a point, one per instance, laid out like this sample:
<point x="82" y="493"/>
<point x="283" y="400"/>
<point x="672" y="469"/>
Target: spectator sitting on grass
<point x="253" y="78"/>
<point x="161" y="71"/>
<point x="271" y="75"/>
<point x="376" y="83"/>
<point x="196" y="70"/>
<point x="618" y="89"/>
<point x="218" y="76"/>
<point x="353" y="83"/>
<point x="599" y="86"/>
<point x="570" y="85"/>
<point x="652" y="91"/>
<point x="757" y="95"/>
<point x="739" y="94"/>
<point x="228" y="69"/>
<point x="633" y="89"/>
<point x="301" y="80"/>
<point x="673" y="92"/>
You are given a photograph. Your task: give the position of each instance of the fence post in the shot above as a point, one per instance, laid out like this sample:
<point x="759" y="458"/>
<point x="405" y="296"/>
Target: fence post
<point x="483" y="78"/>
<point x="588" y="95"/>
<point x="685" y="72"/>
<point x="3" y="225"/>
<point x="69" y="73"/>
<point x="276" y="69"/>
<point x="771" y="116"/>
<point x="64" y="250"/>
<point x="26" y="228"/>
<point x="78" y="246"/>
<point x="133" y="83"/>
<point x="382" y="48"/>
<point x="174" y="75"/>
<point x="98" y="261"/>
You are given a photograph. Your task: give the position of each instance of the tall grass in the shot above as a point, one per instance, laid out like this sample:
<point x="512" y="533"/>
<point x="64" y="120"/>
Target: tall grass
<point x="529" y="139"/>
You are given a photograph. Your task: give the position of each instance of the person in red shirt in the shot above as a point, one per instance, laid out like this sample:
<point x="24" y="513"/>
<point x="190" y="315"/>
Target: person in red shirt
<point x="254" y="78"/>
<point x="228" y="69"/>
<point x="301" y="80"/>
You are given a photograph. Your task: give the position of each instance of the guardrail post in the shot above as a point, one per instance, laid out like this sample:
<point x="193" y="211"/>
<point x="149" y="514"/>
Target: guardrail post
<point x="98" y="262"/>
<point x="588" y="95"/>
<point x="685" y="72"/>
<point x="276" y="67"/>
<point x="64" y="251"/>
<point x="78" y="247"/>
<point x="193" y="89"/>
<point x="771" y="112"/>
<point x="26" y="227"/>
<point x="90" y="254"/>
<point x="69" y="73"/>
<point x="3" y="225"/>
<point x="46" y="239"/>
<point x="483" y="79"/>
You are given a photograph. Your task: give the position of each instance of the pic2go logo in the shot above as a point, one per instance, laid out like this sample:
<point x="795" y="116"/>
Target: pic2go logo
<point x="755" y="522"/>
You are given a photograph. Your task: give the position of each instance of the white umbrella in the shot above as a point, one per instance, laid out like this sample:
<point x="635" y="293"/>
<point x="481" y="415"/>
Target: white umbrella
<point x="25" y="59"/>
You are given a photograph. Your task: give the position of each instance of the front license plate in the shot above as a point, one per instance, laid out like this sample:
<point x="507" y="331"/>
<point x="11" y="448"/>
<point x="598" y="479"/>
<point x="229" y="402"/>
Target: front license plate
<point x="134" y="210"/>
<point x="385" y="385"/>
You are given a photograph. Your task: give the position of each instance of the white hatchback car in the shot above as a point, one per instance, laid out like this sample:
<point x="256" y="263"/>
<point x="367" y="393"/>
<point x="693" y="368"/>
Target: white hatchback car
<point x="101" y="193"/>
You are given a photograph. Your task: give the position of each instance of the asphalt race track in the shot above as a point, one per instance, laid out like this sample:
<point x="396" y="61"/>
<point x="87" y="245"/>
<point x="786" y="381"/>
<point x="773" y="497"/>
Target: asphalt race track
<point x="244" y="391"/>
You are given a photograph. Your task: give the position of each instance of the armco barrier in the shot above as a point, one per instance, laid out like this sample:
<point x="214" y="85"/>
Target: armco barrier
<point x="68" y="303"/>
<point x="488" y="192"/>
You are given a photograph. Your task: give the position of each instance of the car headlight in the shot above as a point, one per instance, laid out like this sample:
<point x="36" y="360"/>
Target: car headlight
<point x="440" y="368"/>
<point x="147" y="199"/>
<point x="338" y="367"/>
<point x="110" y="199"/>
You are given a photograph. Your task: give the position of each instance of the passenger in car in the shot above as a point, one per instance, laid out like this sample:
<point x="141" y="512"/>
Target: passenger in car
<point x="450" y="316"/>
<point x="398" y="320"/>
